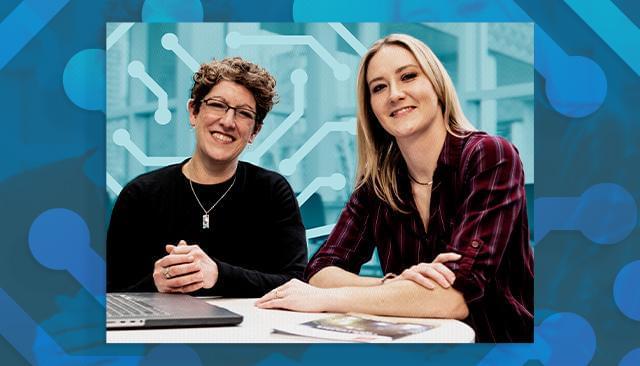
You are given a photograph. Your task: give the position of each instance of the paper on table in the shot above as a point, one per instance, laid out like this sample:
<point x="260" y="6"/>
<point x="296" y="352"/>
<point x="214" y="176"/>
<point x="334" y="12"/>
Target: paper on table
<point x="352" y="328"/>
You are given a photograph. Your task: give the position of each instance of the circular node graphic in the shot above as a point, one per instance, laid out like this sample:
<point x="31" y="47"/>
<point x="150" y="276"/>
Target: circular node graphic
<point x="54" y="234"/>
<point x="579" y="90"/>
<point x="83" y="79"/>
<point x="626" y="290"/>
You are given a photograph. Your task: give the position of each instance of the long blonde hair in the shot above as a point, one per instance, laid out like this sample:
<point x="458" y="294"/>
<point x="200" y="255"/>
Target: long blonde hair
<point x="379" y="159"/>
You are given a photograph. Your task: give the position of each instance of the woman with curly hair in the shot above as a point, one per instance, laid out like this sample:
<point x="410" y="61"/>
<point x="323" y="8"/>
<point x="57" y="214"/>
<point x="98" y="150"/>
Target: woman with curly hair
<point x="211" y="224"/>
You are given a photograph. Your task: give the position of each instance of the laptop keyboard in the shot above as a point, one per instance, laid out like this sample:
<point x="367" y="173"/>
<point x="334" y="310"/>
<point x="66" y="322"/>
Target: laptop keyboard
<point x="120" y="305"/>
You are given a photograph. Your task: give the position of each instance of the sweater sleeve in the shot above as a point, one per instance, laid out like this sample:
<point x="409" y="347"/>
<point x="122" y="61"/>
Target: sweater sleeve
<point x="286" y="256"/>
<point x="129" y="266"/>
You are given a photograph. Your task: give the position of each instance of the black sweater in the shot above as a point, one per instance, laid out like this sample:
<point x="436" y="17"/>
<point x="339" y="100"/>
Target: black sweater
<point x="256" y="235"/>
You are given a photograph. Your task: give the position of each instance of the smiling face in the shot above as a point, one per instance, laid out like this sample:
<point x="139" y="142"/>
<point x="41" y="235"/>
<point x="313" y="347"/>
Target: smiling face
<point x="222" y="136"/>
<point x="401" y="96"/>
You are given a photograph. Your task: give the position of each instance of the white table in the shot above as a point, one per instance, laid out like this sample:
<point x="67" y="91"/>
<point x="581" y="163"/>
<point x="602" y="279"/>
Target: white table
<point x="258" y="324"/>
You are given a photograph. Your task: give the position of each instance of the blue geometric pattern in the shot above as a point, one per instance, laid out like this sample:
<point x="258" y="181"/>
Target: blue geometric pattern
<point x="24" y="23"/>
<point x="605" y="213"/>
<point x="59" y="239"/>
<point x="575" y="85"/>
<point x="168" y="11"/>
<point x="626" y="290"/>
<point x="561" y="339"/>
<point x="86" y="93"/>
<point x="53" y="192"/>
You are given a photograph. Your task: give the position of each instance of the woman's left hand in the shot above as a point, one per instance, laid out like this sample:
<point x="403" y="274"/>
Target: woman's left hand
<point x="204" y="266"/>
<point x="429" y="274"/>
<point x="297" y="296"/>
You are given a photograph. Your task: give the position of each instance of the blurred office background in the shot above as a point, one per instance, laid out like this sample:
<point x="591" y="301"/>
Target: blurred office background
<point x="149" y="77"/>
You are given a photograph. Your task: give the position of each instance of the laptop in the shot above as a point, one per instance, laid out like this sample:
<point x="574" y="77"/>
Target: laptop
<point x="156" y="310"/>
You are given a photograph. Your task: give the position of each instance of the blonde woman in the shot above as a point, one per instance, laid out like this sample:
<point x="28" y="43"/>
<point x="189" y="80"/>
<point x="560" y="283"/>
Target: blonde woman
<point x="443" y="203"/>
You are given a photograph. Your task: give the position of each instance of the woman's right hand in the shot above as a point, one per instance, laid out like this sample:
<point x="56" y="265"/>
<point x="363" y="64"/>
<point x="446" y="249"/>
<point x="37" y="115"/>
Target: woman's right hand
<point x="429" y="274"/>
<point x="177" y="272"/>
<point x="297" y="296"/>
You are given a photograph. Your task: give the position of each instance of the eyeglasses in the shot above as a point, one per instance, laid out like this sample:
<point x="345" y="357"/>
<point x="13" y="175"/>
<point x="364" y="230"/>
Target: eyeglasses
<point x="220" y="108"/>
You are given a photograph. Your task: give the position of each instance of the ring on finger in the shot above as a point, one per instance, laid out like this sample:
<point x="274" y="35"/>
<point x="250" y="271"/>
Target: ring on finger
<point x="276" y="294"/>
<point x="165" y="273"/>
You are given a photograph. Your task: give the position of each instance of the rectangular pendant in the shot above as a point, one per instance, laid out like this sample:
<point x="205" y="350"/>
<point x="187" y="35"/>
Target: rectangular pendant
<point x="205" y="221"/>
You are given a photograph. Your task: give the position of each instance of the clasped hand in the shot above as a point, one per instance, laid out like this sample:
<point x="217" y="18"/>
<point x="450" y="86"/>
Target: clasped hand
<point x="428" y="274"/>
<point x="299" y="296"/>
<point x="185" y="268"/>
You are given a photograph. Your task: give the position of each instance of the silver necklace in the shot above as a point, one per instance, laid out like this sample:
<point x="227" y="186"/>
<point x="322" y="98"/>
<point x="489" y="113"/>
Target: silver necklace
<point x="205" y="217"/>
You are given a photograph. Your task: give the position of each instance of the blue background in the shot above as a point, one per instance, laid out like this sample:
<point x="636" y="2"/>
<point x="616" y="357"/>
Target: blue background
<point x="53" y="198"/>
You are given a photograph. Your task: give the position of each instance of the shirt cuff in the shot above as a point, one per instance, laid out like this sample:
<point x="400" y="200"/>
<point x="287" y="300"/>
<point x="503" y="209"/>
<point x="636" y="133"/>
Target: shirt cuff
<point x="471" y="287"/>
<point x="469" y="281"/>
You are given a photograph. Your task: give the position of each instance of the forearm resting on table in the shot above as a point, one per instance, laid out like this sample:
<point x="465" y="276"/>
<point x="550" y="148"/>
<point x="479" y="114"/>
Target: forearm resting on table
<point x="333" y="276"/>
<point x="399" y="298"/>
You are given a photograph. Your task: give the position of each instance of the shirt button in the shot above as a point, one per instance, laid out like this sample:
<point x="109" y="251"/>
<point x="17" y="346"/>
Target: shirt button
<point x="475" y="243"/>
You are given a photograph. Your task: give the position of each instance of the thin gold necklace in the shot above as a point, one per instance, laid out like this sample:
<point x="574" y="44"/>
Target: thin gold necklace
<point x="420" y="183"/>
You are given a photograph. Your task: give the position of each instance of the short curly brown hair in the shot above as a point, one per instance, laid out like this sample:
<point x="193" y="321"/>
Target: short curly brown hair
<point x="253" y="77"/>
